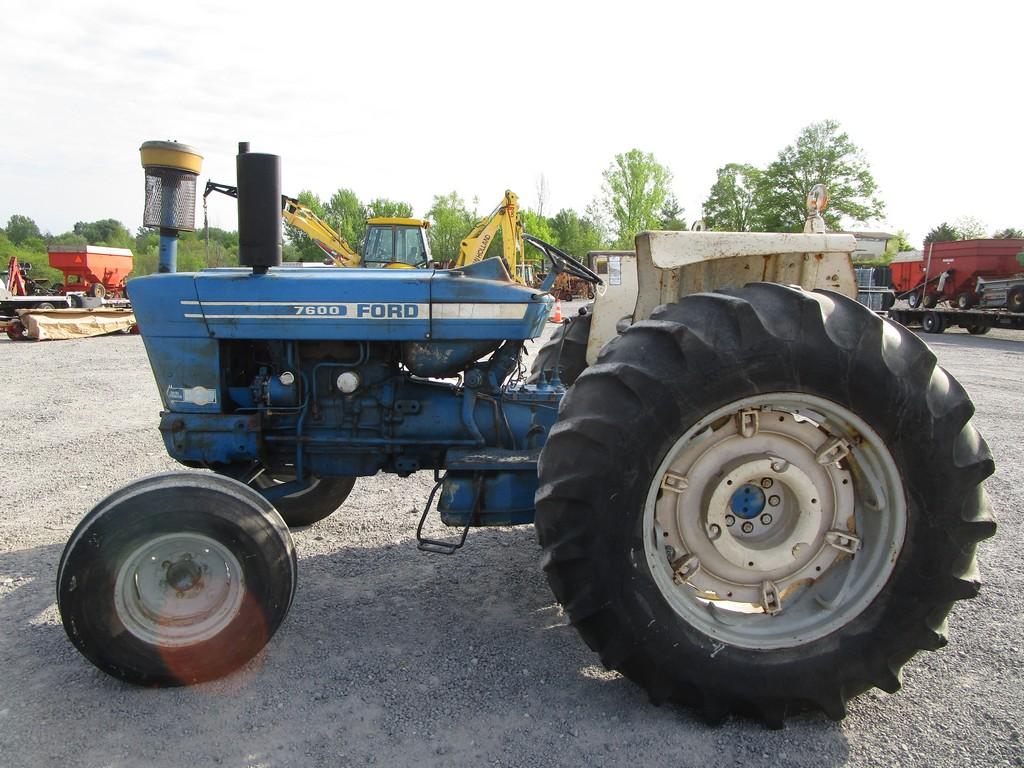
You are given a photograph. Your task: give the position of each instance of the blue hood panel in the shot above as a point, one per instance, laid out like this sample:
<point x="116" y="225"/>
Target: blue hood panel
<point x="330" y="303"/>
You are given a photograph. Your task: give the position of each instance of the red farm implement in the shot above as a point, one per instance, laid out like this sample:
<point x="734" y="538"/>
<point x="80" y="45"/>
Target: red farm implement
<point x="950" y="271"/>
<point x="96" y="270"/>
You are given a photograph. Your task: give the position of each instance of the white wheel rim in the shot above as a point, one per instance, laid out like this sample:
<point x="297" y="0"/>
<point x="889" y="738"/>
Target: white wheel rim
<point x="178" y="589"/>
<point x="774" y="521"/>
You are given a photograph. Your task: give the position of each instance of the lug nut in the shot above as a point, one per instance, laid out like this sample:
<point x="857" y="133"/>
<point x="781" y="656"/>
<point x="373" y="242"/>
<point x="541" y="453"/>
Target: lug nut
<point x="715" y="531"/>
<point x="773" y="500"/>
<point x="748" y="527"/>
<point x="767" y="482"/>
<point x="729" y="520"/>
<point x="766" y="519"/>
<point x="670" y="553"/>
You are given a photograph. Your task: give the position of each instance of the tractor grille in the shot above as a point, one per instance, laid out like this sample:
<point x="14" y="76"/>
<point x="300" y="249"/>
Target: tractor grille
<point x="170" y="199"/>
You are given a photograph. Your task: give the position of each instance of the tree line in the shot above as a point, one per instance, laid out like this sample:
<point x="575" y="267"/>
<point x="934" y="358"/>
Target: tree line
<point x="635" y="195"/>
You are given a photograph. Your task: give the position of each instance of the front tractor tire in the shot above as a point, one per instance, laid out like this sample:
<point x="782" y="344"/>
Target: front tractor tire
<point x="176" y="579"/>
<point x="762" y="501"/>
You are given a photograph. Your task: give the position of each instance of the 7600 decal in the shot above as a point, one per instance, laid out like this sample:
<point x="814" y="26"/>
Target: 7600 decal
<point x="320" y="309"/>
<point x="371" y="310"/>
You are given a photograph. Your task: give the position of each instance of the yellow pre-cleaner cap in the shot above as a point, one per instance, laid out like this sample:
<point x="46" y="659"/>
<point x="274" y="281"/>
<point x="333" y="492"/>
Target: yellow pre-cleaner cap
<point x="171" y="154"/>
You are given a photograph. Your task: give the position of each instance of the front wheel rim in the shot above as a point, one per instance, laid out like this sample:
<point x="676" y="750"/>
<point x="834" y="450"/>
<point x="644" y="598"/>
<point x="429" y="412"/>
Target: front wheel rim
<point x="774" y="521"/>
<point x="178" y="589"/>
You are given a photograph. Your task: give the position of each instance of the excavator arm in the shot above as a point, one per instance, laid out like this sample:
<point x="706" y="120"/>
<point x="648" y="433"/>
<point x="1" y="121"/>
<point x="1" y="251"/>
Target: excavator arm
<point x="320" y="232"/>
<point x="302" y="216"/>
<point x="504" y="218"/>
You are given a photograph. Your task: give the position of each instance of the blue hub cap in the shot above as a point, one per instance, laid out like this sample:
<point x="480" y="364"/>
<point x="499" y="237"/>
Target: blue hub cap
<point x="747" y="501"/>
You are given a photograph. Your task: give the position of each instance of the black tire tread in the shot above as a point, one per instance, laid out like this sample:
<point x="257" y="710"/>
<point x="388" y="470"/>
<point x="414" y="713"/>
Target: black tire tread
<point x="87" y="613"/>
<point x="712" y="328"/>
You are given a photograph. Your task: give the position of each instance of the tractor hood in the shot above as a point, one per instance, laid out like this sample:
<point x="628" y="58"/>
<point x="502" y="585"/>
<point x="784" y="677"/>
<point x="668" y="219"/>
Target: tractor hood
<point x="476" y="302"/>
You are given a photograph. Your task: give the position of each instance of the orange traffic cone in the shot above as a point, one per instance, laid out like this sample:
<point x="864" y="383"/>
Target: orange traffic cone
<point x="556" y="317"/>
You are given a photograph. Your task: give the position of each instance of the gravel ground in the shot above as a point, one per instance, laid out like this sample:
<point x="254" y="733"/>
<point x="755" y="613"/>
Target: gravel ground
<point x="395" y="657"/>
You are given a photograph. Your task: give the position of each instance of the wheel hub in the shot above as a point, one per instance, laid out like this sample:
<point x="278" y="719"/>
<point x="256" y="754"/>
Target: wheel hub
<point x="184" y="575"/>
<point x="178" y="589"/>
<point x="755" y="510"/>
<point x="759" y="545"/>
<point x="747" y="502"/>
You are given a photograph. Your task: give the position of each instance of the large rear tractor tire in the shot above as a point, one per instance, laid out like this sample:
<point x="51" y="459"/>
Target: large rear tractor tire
<point x="763" y="500"/>
<point x="322" y="498"/>
<point x="176" y="579"/>
<point x="571" y="337"/>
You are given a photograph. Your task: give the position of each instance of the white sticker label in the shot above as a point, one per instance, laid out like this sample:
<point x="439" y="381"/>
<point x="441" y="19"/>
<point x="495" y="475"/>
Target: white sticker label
<point x="193" y="395"/>
<point x="614" y="270"/>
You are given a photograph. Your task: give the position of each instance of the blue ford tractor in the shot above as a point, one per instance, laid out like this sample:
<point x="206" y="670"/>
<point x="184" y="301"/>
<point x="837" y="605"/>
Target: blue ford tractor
<point x="752" y="493"/>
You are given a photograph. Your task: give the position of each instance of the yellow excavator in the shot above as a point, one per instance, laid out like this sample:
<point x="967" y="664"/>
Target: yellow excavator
<point x="391" y="242"/>
<point x="506" y="219"/>
<point x="402" y="243"/>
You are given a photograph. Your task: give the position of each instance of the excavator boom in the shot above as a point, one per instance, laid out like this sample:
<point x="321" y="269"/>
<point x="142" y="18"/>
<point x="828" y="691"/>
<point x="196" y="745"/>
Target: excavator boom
<point x="320" y="232"/>
<point x="504" y="218"/>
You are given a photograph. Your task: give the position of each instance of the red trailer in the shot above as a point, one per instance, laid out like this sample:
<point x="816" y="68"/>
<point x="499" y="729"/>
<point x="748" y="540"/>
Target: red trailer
<point x="953" y="270"/>
<point x="95" y="269"/>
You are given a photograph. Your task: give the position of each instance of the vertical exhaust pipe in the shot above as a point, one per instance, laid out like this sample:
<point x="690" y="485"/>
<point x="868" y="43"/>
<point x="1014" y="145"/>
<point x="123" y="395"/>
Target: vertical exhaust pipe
<point x="259" y="209"/>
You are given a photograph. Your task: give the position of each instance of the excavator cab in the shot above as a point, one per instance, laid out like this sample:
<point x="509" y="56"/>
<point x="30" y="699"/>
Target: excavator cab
<point x="396" y="243"/>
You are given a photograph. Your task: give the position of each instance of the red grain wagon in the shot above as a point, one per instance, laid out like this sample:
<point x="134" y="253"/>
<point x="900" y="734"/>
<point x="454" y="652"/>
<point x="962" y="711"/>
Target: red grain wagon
<point x="94" y="269"/>
<point x="953" y="270"/>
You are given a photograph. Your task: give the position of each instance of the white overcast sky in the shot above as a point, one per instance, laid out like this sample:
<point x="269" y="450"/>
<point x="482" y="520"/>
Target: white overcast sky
<point x="409" y="100"/>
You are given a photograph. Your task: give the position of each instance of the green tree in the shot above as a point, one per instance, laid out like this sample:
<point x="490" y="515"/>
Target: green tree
<point x="970" y="228"/>
<point x="21" y="228"/>
<point x="732" y="203"/>
<point x="636" y="187"/>
<point x="451" y="221"/>
<point x="1010" y="233"/>
<point x="943" y="233"/>
<point x="822" y="154"/>
<point x="595" y="215"/>
<point x="536" y="225"/>
<point x="382" y="206"/>
<point x="895" y="245"/>
<point x="575" y="234"/>
<point x="899" y="244"/>
<point x="347" y="215"/>
<point x="672" y="215"/>
<point x="109" y="232"/>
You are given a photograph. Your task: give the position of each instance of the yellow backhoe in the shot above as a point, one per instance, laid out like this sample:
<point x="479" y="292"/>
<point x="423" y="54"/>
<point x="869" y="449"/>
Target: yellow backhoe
<point x="505" y="218"/>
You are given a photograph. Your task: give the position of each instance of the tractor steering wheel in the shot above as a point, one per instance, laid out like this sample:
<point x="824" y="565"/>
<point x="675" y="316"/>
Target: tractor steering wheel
<point x="563" y="262"/>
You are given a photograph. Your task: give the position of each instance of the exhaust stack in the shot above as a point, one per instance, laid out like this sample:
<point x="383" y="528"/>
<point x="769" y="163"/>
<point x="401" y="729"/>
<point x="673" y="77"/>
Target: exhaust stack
<point x="259" y="209"/>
